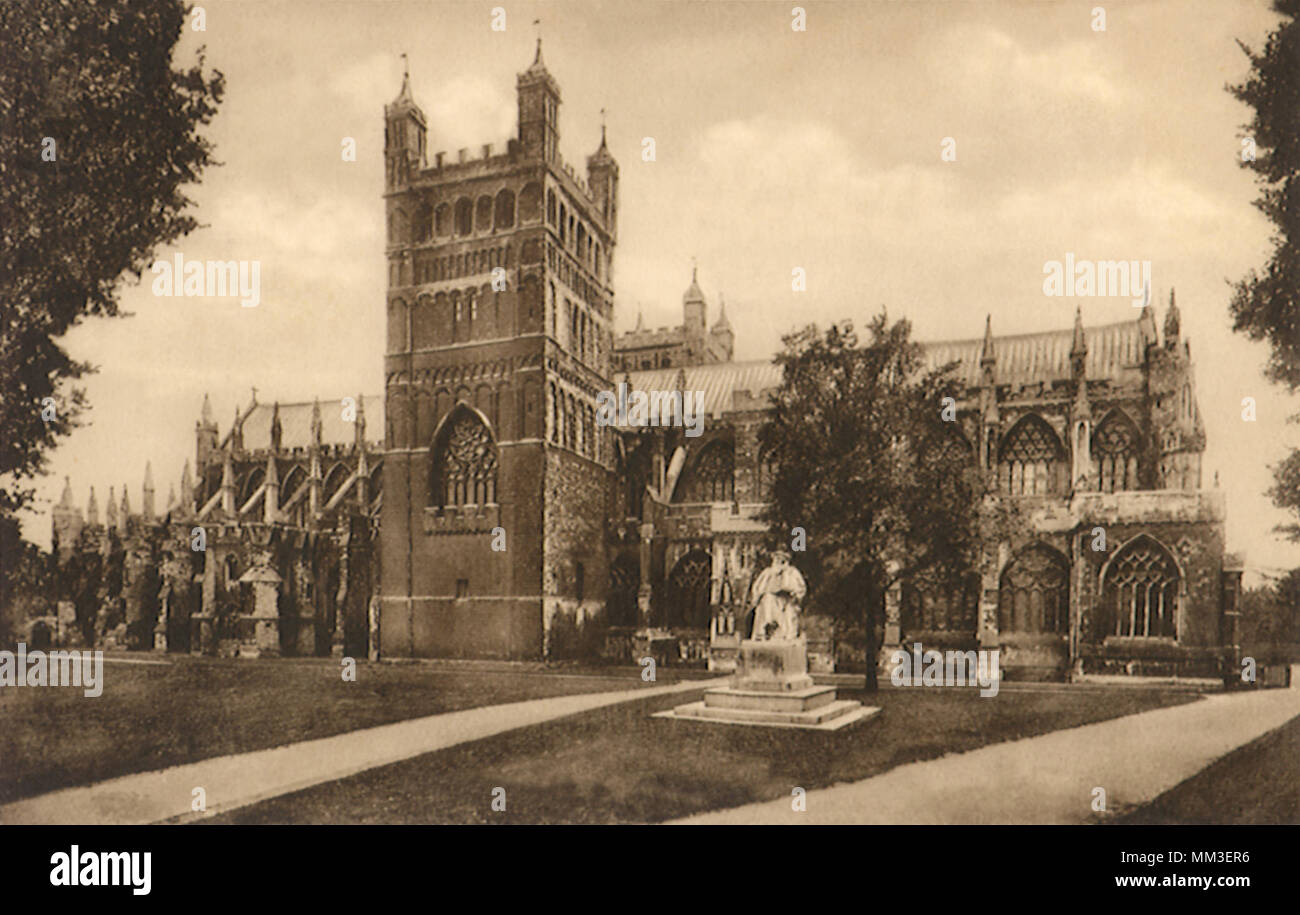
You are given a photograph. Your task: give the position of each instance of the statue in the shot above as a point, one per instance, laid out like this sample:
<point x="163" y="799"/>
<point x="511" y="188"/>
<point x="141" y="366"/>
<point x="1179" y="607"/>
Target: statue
<point x="775" y="598"/>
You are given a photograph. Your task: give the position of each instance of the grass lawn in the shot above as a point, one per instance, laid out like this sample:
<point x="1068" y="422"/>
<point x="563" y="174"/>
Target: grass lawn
<point x="618" y="765"/>
<point x="153" y="716"/>
<point x="1258" y="784"/>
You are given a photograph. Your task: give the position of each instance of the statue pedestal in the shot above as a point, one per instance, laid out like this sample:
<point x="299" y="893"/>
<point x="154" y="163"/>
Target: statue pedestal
<point x="772" y="687"/>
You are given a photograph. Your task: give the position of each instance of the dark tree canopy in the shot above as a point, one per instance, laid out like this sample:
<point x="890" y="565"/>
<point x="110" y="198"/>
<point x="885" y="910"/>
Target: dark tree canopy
<point x="99" y="137"/>
<point x="866" y="463"/>
<point x="1266" y="303"/>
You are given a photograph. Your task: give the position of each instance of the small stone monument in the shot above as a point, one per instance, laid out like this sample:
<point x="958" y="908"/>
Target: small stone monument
<point x="771" y="685"/>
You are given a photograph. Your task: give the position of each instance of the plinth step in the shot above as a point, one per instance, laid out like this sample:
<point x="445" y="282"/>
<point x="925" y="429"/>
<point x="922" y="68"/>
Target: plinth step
<point x="811" y="718"/>
<point x="800" y="700"/>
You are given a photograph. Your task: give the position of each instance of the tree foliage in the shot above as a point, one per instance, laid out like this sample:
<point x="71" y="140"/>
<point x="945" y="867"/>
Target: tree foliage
<point x="886" y="488"/>
<point x="1266" y="303"/>
<point x="99" y="137"/>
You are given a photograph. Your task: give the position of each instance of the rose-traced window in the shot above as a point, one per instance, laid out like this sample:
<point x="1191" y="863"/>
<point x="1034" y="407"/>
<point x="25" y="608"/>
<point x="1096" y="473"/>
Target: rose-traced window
<point x="1030" y="459"/>
<point x="1141" y="591"/>
<point x="1034" y="595"/>
<point x="1114" y="451"/>
<point x="464" y="463"/>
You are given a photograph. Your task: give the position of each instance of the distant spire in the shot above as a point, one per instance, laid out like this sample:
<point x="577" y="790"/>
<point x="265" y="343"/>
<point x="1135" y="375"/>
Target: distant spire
<point x="693" y="292"/>
<point x="361" y="421"/>
<point x="126" y="504"/>
<point x="722" y="323"/>
<point x="987" y="355"/>
<point x="1173" y="322"/>
<point x="171" y="496"/>
<point x="640" y="320"/>
<point x="277" y="430"/>
<point x="187" y="487"/>
<point x="315" y="423"/>
<point x="92" y="509"/>
<point x="110" y="513"/>
<point x="1079" y="344"/>
<point x="207" y="417"/>
<point x="148" y="491"/>
<point x="66" y="500"/>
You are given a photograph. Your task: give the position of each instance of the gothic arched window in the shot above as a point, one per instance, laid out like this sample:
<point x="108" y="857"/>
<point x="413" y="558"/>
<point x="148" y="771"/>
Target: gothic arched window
<point x="688" y="591"/>
<point x="1034" y="595"/>
<point x="1114" y="451"/>
<point x="464" y="216"/>
<point x="940" y="606"/>
<point x="505" y="210"/>
<point x="464" y="462"/>
<point x="483" y="213"/>
<point x="713" y="476"/>
<point x="423" y="222"/>
<point x="1141" y="591"/>
<point x="442" y="220"/>
<point x="1030" y="458"/>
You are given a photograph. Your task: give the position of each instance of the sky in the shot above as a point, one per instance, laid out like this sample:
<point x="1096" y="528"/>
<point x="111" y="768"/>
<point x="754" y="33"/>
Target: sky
<point x="774" y="149"/>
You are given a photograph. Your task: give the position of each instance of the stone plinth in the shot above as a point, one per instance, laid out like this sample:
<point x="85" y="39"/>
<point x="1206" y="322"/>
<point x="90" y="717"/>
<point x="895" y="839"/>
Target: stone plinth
<point x="772" y="687"/>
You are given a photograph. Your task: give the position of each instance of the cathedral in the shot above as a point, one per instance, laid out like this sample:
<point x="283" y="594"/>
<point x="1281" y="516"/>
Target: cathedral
<point x="479" y="509"/>
<point x="516" y="526"/>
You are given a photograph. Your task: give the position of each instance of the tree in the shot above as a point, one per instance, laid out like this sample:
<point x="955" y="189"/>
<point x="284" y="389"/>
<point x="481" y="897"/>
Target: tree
<point x="1266" y="305"/>
<point x="884" y="486"/>
<point x="98" y="138"/>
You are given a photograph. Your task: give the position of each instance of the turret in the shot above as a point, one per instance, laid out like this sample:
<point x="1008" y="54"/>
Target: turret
<point x="405" y="135"/>
<point x="602" y="178"/>
<point x="110" y="512"/>
<point x="65" y="521"/>
<point x="694" y="308"/>
<point x="1172" y="323"/>
<point x="722" y="333"/>
<point x="205" y="435"/>
<point x="92" y="510"/>
<point x="539" y="111"/>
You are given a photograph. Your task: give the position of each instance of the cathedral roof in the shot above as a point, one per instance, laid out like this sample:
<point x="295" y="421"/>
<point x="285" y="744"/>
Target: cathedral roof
<point x="719" y="381"/>
<point x="295" y="424"/>
<point x="1045" y="357"/>
<point x="1021" y="359"/>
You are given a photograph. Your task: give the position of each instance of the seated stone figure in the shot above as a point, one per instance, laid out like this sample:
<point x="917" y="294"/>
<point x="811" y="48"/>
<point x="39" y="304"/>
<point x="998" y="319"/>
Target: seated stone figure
<point x="775" y="598"/>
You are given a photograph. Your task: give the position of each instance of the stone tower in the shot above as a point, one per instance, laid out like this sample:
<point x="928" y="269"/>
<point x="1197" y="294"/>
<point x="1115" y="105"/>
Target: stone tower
<point x="500" y="311"/>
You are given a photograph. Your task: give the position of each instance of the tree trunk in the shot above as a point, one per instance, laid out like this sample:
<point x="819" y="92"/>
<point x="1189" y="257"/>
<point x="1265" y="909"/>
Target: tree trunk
<point x="871" y="650"/>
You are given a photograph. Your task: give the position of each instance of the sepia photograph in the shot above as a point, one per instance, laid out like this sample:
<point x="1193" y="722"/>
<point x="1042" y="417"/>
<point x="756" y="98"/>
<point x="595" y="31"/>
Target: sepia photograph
<point x="878" y="413"/>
